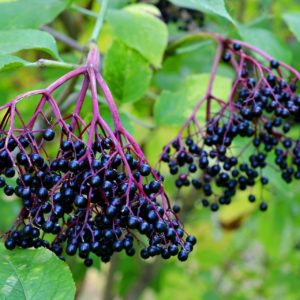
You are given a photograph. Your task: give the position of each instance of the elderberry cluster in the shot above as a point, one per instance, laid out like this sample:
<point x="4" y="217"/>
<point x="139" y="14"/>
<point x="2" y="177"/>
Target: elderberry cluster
<point x="260" y="115"/>
<point x="84" y="188"/>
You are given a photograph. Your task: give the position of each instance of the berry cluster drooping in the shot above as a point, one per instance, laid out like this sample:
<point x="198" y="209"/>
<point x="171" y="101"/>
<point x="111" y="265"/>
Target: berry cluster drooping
<point x="260" y="113"/>
<point x="84" y="187"/>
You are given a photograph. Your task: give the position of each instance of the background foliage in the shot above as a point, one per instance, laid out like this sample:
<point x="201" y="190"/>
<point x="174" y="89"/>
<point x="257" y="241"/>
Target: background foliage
<point x="241" y="253"/>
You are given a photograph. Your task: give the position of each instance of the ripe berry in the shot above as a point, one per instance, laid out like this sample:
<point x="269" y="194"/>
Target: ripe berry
<point x="214" y="207"/>
<point x="118" y="246"/>
<point x="49" y="134"/>
<point x="154" y="186"/>
<point x="227" y="57"/>
<point x="10" y="244"/>
<point x="274" y="64"/>
<point x="80" y="201"/>
<point x="160" y="226"/>
<point x="8" y="190"/>
<point x="2" y="182"/>
<point x="251" y="198"/>
<point x="133" y="222"/>
<point x="48" y="226"/>
<point x="145" y="253"/>
<point x="176" y="208"/>
<point x="84" y="249"/>
<point x="88" y="262"/>
<point x="145" y="170"/>
<point x="237" y="46"/>
<point x="191" y="239"/>
<point x="263" y="206"/>
<point x="42" y="193"/>
<point x="183" y="255"/>
<point x="66" y="145"/>
<point x="74" y="165"/>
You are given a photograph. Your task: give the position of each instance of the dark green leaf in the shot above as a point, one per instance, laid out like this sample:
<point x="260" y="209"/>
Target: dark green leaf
<point x="126" y="122"/>
<point x="173" y="108"/>
<point x="29" y="13"/>
<point x="9" y="62"/>
<point x="127" y="73"/>
<point x="9" y="212"/>
<point x="293" y="22"/>
<point x="266" y="41"/>
<point x="12" y="41"/>
<point x="116" y="3"/>
<point x="34" y="274"/>
<point x="213" y="7"/>
<point x="140" y="31"/>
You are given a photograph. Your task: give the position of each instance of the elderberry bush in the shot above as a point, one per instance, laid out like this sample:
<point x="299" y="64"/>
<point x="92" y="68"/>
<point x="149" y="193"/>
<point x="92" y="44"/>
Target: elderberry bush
<point x="84" y="187"/>
<point x="261" y="114"/>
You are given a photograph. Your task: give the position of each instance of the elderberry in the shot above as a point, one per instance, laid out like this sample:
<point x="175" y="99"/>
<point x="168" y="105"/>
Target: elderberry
<point x="262" y="109"/>
<point x="83" y="189"/>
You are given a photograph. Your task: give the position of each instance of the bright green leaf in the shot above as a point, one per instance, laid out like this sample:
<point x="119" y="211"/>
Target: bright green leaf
<point x="29" y="13"/>
<point x="20" y="39"/>
<point x="213" y="7"/>
<point x="9" y="62"/>
<point x="144" y="8"/>
<point x="116" y="3"/>
<point x="266" y="41"/>
<point x="126" y="122"/>
<point x="140" y="31"/>
<point x="173" y="108"/>
<point x="127" y="73"/>
<point x="34" y="274"/>
<point x="293" y="22"/>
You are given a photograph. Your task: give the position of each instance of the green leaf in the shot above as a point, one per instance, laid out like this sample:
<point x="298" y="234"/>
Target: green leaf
<point x="144" y="8"/>
<point x="127" y="73"/>
<point x="126" y="122"/>
<point x="276" y="237"/>
<point x="9" y="62"/>
<point x="212" y="7"/>
<point x="266" y="41"/>
<point x="9" y="212"/>
<point x="116" y="3"/>
<point x="174" y="107"/>
<point x="12" y="41"/>
<point x="29" y="13"/>
<point x="34" y="274"/>
<point x="293" y="22"/>
<point x="140" y="31"/>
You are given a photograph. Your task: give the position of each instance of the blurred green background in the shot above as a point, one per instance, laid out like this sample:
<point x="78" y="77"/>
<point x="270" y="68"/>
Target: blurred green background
<point x="241" y="253"/>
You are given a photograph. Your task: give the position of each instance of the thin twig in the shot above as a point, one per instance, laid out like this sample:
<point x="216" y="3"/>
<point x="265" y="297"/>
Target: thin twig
<point x="51" y="63"/>
<point x="108" y="293"/>
<point x="146" y="276"/>
<point x="64" y="39"/>
<point x="83" y="11"/>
